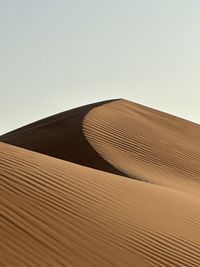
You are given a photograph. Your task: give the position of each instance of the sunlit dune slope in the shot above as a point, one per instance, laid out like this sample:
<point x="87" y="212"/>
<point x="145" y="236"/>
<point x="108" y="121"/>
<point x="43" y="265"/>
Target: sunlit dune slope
<point x="120" y="137"/>
<point x="56" y="213"/>
<point x="61" y="136"/>
<point x="146" y="144"/>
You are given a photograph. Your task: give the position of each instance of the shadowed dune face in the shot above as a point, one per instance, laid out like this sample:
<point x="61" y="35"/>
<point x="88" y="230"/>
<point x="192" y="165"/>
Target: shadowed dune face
<point x="56" y="213"/>
<point x="146" y="144"/>
<point x="61" y="136"/>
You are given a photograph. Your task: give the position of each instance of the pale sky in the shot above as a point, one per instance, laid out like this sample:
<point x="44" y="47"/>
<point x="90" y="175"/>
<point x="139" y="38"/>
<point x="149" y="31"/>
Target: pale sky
<point x="56" y="55"/>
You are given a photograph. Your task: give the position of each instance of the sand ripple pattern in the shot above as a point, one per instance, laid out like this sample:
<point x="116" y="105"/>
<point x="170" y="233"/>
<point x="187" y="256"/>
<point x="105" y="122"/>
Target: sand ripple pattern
<point x="55" y="213"/>
<point x="146" y="144"/>
<point x="114" y="184"/>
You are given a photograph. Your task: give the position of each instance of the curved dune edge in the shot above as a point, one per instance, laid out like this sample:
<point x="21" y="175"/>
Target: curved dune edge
<point x="56" y="213"/>
<point x="61" y="136"/>
<point x="146" y="144"/>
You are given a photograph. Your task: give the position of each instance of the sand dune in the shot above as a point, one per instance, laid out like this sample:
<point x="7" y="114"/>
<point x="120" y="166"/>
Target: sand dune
<point x="61" y="136"/>
<point x="146" y="144"/>
<point x="88" y="212"/>
<point x="55" y="213"/>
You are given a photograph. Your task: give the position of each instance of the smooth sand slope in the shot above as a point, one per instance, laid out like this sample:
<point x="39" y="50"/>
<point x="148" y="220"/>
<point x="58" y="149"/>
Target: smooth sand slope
<point x="57" y="213"/>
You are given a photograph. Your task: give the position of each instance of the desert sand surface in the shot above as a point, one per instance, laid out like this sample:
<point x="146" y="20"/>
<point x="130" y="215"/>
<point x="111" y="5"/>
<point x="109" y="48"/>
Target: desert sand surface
<point x="109" y="184"/>
<point x="61" y="136"/>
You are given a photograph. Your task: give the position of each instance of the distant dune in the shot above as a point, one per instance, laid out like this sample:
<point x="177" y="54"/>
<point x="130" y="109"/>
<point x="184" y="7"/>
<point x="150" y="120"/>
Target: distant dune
<point x="109" y="184"/>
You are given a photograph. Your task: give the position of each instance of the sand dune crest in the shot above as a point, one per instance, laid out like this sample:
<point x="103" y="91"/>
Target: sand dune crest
<point x="114" y="184"/>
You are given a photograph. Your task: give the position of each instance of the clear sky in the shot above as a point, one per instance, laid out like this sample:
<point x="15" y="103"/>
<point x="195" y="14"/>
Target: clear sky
<point x="56" y="55"/>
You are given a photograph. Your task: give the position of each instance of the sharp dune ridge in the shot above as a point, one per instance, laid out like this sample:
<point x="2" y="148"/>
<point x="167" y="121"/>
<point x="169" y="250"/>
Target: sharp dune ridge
<point x="61" y="136"/>
<point x="142" y="142"/>
<point x="113" y="183"/>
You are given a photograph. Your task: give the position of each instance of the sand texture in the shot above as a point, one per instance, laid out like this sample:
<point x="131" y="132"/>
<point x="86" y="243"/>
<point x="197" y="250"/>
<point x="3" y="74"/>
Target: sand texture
<point x="109" y="184"/>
